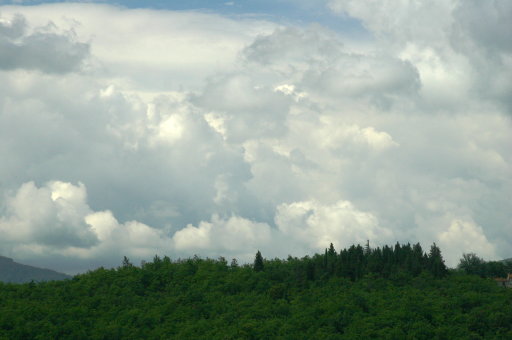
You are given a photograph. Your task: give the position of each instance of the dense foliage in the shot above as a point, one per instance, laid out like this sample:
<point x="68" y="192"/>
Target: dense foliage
<point x="472" y="264"/>
<point x="359" y="293"/>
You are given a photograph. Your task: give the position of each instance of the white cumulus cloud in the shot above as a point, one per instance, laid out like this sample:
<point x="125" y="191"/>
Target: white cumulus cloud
<point x="136" y="131"/>
<point x="465" y="237"/>
<point x="316" y="225"/>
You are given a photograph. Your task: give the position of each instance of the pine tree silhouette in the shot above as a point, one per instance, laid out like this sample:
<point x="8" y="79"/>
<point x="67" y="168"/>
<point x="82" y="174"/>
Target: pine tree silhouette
<point x="258" y="262"/>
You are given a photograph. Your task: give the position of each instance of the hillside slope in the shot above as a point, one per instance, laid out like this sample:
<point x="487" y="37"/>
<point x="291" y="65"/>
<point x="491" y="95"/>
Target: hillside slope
<point x="14" y="272"/>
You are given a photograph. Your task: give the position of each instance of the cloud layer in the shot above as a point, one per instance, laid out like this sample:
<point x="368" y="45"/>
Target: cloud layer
<point x="42" y="50"/>
<point x="136" y="132"/>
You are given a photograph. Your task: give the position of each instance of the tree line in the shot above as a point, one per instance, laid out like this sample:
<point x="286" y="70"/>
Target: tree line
<point x="357" y="261"/>
<point x="471" y="263"/>
<point x="389" y="292"/>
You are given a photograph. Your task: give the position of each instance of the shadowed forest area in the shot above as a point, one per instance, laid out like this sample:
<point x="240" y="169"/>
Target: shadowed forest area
<point x="398" y="292"/>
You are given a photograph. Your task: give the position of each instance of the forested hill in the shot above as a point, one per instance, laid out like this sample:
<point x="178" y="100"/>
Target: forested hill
<point x="398" y="292"/>
<point x="11" y="271"/>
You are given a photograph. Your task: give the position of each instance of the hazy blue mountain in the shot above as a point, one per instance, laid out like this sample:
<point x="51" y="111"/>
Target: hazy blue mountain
<point x="14" y="272"/>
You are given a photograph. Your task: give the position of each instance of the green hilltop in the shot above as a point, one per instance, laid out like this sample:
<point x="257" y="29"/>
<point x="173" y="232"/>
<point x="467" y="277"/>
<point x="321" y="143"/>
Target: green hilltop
<point x="393" y="292"/>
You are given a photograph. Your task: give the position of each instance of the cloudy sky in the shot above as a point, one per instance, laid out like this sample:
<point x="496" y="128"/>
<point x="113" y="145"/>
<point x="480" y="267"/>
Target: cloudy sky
<point x="222" y="127"/>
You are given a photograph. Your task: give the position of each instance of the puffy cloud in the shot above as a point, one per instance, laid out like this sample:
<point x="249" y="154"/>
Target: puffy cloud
<point x="147" y="50"/>
<point x="470" y="31"/>
<point x="51" y="216"/>
<point x="101" y="136"/>
<point x="336" y="136"/>
<point x="197" y="133"/>
<point x="234" y="236"/>
<point x="131" y="238"/>
<point x="317" y="62"/>
<point x="301" y="228"/>
<point x="316" y="225"/>
<point x="56" y="220"/>
<point x="460" y="48"/>
<point x="479" y="33"/>
<point x="43" y="49"/>
<point x="464" y="237"/>
<point x="14" y="28"/>
<point x="244" y="108"/>
<point x="290" y="50"/>
<point x="400" y="22"/>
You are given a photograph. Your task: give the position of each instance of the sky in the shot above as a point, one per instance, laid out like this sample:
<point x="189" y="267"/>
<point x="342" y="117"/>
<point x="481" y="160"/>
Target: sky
<point x="219" y="128"/>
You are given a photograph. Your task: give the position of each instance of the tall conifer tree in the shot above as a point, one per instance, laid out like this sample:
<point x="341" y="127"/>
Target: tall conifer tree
<point x="258" y="262"/>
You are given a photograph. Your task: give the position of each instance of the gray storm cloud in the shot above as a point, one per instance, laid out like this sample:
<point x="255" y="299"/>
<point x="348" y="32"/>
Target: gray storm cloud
<point x="42" y="50"/>
<point x="290" y="139"/>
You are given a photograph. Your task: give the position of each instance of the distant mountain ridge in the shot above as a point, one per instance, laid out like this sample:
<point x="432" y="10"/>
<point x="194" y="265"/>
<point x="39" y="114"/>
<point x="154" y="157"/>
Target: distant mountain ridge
<point x="13" y="272"/>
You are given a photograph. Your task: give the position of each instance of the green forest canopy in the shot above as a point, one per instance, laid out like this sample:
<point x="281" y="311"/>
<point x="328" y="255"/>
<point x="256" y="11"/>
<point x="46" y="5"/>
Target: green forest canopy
<point x="398" y="292"/>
